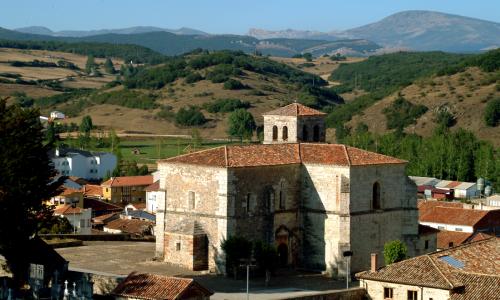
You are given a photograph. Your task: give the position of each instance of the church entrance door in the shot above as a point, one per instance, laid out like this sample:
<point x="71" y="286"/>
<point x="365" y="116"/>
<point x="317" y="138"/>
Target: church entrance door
<point x="283" y="255"/>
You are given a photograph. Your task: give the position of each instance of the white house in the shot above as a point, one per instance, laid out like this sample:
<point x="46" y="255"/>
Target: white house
<point x="153" y="193"/>
<point x="465" y="190"/>
<point x="83" y="164"/>
<point x="57" y="115"/>
<point x="79" y="218"/>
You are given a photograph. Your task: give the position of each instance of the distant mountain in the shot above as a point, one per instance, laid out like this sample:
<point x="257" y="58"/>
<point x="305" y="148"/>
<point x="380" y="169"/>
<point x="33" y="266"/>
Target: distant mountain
<point x="174" y="44"/>
<point x="262" y="34"/>
<point x="84" y="33"/>
<point x="426" y="30"/>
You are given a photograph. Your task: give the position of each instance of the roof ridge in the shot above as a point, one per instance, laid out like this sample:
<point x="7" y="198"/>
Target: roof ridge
<point x="440" y="272"/>
<point x="347" y="155"/>
<point x="225" y="155"/>
<point x="461" y="246"/>
<point x="186" y="154"/>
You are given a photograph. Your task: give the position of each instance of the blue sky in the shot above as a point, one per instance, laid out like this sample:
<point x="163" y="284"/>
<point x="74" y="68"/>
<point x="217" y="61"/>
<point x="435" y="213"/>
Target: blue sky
<point x="225" y="16"/>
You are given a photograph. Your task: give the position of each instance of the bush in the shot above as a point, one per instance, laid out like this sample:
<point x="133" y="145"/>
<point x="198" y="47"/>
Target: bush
<point x="166" y="113"/>
<point x="193" y="77"/>
<point x="492" y="113"/>
<point x="191" y="116"/>
<point x="225" y="105"/>
<point x="236" y="248"/>
<point x="394" y="251"/>
<point x="241" y="124"/>
<point x="444" y="118"/>
<point x="233" y="84"/>
<point x="126" y="98"/>
<point x="402" y="113"/>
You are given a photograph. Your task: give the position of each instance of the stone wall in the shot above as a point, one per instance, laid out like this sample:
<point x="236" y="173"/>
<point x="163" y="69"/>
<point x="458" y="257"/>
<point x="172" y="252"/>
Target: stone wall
<point x="375" y="290"/>
<point x="350" y="294"/>
<point x="209" y="187"/>
<point x="280" y="121"/>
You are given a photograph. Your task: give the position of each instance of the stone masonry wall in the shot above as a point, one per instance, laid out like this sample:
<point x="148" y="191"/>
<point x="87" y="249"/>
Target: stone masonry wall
<point x="280" y="121"/>
<point x="397" y="217"/>
<point x="209" y="186"/>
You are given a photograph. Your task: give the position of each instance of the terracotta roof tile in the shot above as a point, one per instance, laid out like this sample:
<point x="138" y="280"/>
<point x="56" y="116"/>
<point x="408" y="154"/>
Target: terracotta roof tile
<point x="92" y="190"/>
<point x="66" y="209"/>
<point x="295" y="109"/>
<point x="453" y="216"/>
<point x="155" y="186"/>
<point x="128" y="181"/>
<point x="150" y="286"/>
<point x="133" y="226"/>
<point x="447" y="239"/>
<point x="474" y="266"/>
<point x="280" y="154"/>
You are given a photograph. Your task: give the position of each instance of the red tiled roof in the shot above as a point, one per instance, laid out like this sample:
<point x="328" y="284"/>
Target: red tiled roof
<point x="150" y="286"/>
<point x="281" y="154"/>
<point x="295" y="109"/>
<point x="100" y="206"/>
<point x="128" y="181"/>
<point x="66" y="191"/>
<point x="447" y="239"/>
<point x="433" y="270"/>
<point x="453" y="216"/>
<point x="103" y="219"/>
<point x="425" y="206"/>
<point x="92" y="190"/>
<point x="155" y="186"/>
<point x="66" y="209"/>
<point x="133" y="226"/>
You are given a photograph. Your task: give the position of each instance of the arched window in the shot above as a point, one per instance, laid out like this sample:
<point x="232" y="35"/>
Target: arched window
<point x="269" y="199"/>
<point x="304" y="133"/>
<point x="284" y="134"/>
<point x="376" y="196"/>
<point x="316" y="133"/>
<point x="275" y="133"/>
<point x="282" y="199"/>
<point x="247" y="203"/>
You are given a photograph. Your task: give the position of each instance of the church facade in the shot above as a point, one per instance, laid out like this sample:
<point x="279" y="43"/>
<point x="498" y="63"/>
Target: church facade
<point x="310" y="199"/>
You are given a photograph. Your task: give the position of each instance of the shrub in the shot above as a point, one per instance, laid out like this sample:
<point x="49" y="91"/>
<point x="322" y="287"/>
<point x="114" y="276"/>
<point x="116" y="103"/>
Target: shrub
<point x="444" y="118"/>
<point x="126" y="98"/>
<point x="394" y="251"/>
<point x="236" y="248"/>
<point x="241" y="124"/>
<point x="402" y="113"/>
<point x="225" y="105"/>
<point x="191" y="116"/>
<point x="233" y="84"/>
<point x="492" y="113"/>
<point x="166" y="113"/>
<point x="193" y="77"/>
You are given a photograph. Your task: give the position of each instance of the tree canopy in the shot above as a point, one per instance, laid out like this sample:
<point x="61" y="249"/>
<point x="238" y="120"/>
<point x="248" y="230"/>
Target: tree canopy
<point x="394" y="251"/>
<point x="241" y="124"/>
<point x="26" y="179"/>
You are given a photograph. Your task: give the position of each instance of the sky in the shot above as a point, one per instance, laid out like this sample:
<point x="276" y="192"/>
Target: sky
<point x="225" y="16"/>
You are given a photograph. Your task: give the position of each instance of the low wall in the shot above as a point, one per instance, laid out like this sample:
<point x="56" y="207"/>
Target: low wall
<point x="99" y="237"/>
<point x="350" y="294"/>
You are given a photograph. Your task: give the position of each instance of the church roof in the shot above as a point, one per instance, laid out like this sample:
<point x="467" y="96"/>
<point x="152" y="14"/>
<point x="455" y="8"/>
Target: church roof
<point x="283" y="154"/>
<point x="295" y="109"/>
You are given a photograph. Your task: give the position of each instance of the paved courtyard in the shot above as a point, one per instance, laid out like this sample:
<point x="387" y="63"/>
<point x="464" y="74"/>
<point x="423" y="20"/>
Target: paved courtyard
<point x="121" y="258"/>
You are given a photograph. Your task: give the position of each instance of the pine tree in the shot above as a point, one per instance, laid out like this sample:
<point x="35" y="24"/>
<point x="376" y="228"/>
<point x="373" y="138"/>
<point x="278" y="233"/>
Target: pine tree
<point x="90" y="65"/>
<point x="26" y="179"/>
<point x="108" y="66"/>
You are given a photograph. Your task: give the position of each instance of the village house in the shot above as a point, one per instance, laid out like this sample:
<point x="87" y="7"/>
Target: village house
<point x="461" y="190"/>
<point x="79" y="218"/>
<point x="310" y="199"/>
<point x="153" y="192"/>
<point x="83" y="164"/>
<point x="469" y="271"/>
<point x="69" y="196"/>
<point x="157" y="287"/>
<point x="122" y="224"/>
<point x="126" y="189"/>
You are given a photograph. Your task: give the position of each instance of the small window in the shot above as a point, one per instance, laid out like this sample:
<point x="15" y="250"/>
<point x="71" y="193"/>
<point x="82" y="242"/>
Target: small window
<point x="316" y="133"/>
<point x="458" y="229"/>
<point x="304" y="133"/>
<point x="376" y="196"/>
<point x="192" y="200"/>
<point x="107" y="190"/>
<point x="284" y="133"/>
<point x="412" y="295"/>
<point x="388" y="292"/>
<point x="275" y="133"/>
<point x="282" y="200"/>
<point x="178" y="246"/>
<point x="441" y="227"/>
<point x="247" y="203"/>
<point x="450" y="244"/>
<point x="426" y="244"/>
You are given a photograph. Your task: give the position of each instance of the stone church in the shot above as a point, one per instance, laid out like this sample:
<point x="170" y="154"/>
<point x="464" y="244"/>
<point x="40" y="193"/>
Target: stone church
<point x="311" y="199"/>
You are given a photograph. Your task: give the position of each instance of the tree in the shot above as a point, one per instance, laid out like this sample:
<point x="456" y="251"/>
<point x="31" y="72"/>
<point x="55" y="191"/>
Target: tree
<point x="394" y="251"/>
<point x="90" y="65"/>
<point x="86" y="125"/>
<point x="109" y="67"/>
<point x="26" y="179"/>
<point x="492" y="113"/>
<point x="236" y="248"/>
<point x="55" y="225"/>
<point x="191" y="116"/>
<point x="266" y="257"/>
<point x="241" y="124"/>
<point x="307" y="56"/>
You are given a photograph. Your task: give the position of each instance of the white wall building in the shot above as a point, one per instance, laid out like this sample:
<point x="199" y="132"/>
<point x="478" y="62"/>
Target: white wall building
<point x="464" y="190"/>
<point x="83" y="164"/>
<point x="79" y="218"/>
<point x="153" y="193"/>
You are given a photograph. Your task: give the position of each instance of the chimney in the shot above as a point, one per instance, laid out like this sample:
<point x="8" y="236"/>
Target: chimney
<point x="373" y="267"/>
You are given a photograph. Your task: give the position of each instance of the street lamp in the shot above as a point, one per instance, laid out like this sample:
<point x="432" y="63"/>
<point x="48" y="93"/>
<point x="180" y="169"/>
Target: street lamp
<point x="347" y="254"/>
